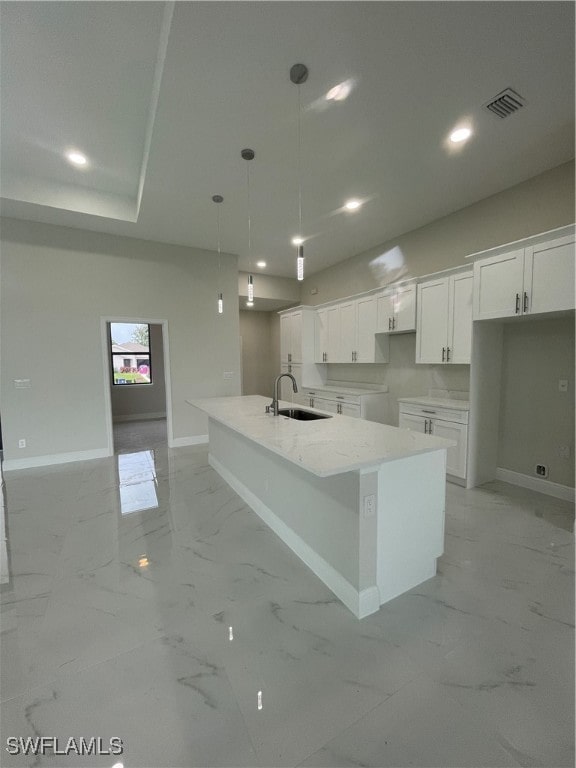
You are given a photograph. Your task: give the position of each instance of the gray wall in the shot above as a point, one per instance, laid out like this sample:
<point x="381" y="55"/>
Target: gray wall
<point x="57" y="284"/>
<point x="132" y="402"/>
<point x="537" y="205"/>
<point x="258" y="365"/>
<point x="535" y="418"/>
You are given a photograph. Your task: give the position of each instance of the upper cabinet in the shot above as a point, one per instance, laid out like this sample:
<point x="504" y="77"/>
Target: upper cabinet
<point x="526" y="281"/>
<point x="291" y="337"/>
<point x="444" y="322"/>
<point x="345" y="333"/>
<point x="396" y="309"/>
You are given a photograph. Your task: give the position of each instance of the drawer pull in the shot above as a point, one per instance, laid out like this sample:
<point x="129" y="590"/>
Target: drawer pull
<point x="425" y="411"/>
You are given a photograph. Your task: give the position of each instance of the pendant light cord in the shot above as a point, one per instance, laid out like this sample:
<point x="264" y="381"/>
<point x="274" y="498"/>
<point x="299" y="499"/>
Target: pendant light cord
<point x="299" y="164"/>
<point x="249" y="217"/>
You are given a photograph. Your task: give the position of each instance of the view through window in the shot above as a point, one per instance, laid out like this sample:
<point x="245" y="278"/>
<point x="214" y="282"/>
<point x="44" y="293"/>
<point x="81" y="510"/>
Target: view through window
<point x="130" y="353"/>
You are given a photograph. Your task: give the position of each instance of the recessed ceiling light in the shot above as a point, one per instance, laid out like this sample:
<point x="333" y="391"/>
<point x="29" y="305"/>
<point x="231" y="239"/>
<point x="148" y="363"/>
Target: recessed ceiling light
<point x="352" y="205"/>
<point x="297" y="240"/>
<point x="76" y="158"/>
<point x="249" y="303"/>
<point x="261" y="264"/>
<point x="460" y="134"/>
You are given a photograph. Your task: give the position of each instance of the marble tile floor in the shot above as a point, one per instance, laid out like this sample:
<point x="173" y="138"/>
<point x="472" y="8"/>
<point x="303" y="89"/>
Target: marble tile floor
<point x="147" y="602"/>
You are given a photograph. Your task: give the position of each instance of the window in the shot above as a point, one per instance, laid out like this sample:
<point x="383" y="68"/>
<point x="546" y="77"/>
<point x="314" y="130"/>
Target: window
<point x="130" y="353"/>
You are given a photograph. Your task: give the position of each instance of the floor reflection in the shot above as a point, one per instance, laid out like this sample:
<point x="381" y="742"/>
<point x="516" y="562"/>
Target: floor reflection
<point x="137" y="482"/>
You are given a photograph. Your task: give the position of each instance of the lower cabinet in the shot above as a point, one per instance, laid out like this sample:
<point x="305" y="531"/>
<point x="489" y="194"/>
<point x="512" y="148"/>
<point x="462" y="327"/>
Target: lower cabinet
<point x="442" y="422"/>
<point x="372" y="406"/>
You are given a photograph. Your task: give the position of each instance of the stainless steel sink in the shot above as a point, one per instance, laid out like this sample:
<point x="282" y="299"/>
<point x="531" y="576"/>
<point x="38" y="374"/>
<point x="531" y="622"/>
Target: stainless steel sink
<point x="300" y="415"/>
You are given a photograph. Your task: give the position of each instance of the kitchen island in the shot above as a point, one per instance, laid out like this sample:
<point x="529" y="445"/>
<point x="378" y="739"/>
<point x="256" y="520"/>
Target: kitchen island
<point x="361" y="503"/>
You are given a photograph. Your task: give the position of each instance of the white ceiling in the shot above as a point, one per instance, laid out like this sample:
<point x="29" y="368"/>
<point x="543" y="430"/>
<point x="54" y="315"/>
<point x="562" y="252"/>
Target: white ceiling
<point x="163" y="97"/>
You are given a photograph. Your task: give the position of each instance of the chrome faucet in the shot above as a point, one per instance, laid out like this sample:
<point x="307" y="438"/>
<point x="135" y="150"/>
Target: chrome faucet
<point x="273" y="407"/>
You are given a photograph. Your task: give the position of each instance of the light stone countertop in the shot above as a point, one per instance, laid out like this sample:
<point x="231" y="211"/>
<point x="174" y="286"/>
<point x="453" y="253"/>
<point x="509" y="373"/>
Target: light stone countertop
<point x="437" y="402"/>
<point x="324" y="446"/>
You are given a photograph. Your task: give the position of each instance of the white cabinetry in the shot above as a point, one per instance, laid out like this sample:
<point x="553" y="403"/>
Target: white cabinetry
<point x="444" y="322"/>
<point x="526" y="281"/>
<point x="291" y="337"/>
<point x="346" y="333"/>
<point x="372" y="406"/>
<point x="441" y="422"/>
<point x="297" y="328"/>
<point x="396" y="310"/>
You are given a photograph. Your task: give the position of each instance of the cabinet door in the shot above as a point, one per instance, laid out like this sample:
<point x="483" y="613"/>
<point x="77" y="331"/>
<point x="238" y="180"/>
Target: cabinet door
<point x="385" y="311"/>
<point x="285" y="338"/>
<point x="347" y="331"/>
<point x="432" y="330"/>
<point x="455" y="456"/>
<point x="460" y="319"/>
<point x="325" y="405"/>
<point x="498" y="286"/>
<point x="321" y="336"/>
<point x="415" y="423"/>
<point x="549" y="276"/>
<point x="348" y="409"/>
<point x="365" y="330"/>
<point x="296" y="337"/>
<point x="333" y="326"/>
<point x="405" y="308"/>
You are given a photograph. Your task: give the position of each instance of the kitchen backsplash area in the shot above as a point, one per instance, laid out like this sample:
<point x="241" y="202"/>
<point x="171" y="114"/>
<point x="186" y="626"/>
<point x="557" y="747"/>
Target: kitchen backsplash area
<point x="404" y="378"/>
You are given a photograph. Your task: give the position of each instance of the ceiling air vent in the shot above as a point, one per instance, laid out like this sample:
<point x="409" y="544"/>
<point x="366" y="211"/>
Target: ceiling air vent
<point x="505" y="103"/>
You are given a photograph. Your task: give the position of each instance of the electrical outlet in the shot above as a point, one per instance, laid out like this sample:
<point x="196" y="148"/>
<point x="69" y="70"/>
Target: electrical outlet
<point x="564" y="451"/>
<point x="562" y="385"/>
<point x="22" y="443"/>
<point x="541" y="470"/>
<point x="228" y="374"/>
<point x="370" y="505"/>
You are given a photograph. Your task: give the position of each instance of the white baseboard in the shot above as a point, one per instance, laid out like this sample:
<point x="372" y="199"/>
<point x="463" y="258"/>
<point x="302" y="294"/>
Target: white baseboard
<point x="140" y="417"/>
<point x="55" y="458"/>
<point x="360" y="603"/>
<point x="182" y="442"/>
<point x="536" y="484"/>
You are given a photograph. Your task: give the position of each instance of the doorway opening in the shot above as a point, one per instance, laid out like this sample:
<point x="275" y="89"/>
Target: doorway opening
<point x="137" y="389"/>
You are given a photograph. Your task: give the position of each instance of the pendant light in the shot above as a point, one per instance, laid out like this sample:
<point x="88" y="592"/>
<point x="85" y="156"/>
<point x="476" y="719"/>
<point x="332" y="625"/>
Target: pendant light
<point x="299" y="75"/>
<point x="219" y="199"/>
<point x="248" y="154"/>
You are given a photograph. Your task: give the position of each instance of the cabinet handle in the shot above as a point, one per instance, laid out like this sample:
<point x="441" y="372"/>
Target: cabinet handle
<point x="517" y="303"/>
<point x="425" y="426"/>
<point x="339" y="397"/>
<point x="429" y="426"/>
<point x="289" y="357"/>
<point x="393" y="323"/>
<point x="525" y="302"/>
<point x="339" y="408"/>
<point x="289" y="369"/>
<point x="311" y="402"/>
<point x="447" y="354"/>
<point x="389" y="323"/>
<point x="424" y="411"/>
<point x="443" y="353"/>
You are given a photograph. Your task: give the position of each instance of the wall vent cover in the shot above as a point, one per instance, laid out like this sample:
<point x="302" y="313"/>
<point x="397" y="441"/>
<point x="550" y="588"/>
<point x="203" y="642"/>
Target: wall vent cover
<point x="505" y="103"/>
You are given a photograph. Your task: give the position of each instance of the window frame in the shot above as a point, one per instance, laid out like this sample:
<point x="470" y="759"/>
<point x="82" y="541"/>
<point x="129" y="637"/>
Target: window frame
<point x="111" y="356"/>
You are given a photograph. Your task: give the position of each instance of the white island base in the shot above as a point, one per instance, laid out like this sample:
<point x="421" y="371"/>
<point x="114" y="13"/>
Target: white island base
<point x="369" y="534"/>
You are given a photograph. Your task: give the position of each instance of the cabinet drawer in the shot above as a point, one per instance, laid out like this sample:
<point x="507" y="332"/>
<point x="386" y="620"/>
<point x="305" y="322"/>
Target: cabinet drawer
<point x="332" y="396"/>
<point x="434" y="412"/>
